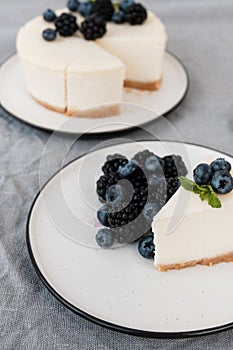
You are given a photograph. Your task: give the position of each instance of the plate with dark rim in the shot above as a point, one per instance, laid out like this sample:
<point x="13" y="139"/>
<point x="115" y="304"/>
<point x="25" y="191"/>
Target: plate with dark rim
<point x="21" y="105"/>
<point x="116" y="287"/>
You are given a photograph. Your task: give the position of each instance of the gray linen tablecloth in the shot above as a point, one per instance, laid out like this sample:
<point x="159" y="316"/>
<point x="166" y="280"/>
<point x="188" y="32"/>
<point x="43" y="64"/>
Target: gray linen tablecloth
<point x="200" y="33"/>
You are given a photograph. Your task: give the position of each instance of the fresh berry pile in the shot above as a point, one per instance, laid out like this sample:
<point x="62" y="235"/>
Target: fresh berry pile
<point x="217" y="175"/>
<point x="132" y="192"/>
<point x="96" y="14"/>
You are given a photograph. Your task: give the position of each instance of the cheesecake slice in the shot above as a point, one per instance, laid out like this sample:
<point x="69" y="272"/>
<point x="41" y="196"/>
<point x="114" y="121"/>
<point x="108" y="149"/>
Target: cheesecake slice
<point x="70" y="75"/>
<point x="188" y="232"/>
<point x="141" y="49"/>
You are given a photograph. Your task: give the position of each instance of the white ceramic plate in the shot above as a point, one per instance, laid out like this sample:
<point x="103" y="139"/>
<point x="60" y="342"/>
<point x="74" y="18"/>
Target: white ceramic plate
<point x="15" y="99"/>
<point x="117" y="288"/>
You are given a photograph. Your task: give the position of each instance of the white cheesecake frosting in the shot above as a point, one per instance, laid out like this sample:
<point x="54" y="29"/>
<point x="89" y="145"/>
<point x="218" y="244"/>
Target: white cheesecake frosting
<point x="71" y="74"/>
<point x="189" y="230"/>
<point x="141" y="48"/>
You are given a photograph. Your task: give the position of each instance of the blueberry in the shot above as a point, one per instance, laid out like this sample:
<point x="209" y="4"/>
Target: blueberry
<point x="105" y="238"/>
<point x="49" y="34"/>
<point x="128" y="169"/>
<point x="149" y="211"/>
<point x="73" y="5"/>
<point x="125" y="4"/>
<point x="220" y="164"/>
<point x="115" y="193"/>
<point x="85" y="8"/>
<point x="49" y="15"/>
<point x="146" y="247"/>
<point x="153" y="164"/>
<point x="222" y="182"/>
<point x="102" y="215"/>
<point x="118" y="17"/>
<point x="202" y="174"/>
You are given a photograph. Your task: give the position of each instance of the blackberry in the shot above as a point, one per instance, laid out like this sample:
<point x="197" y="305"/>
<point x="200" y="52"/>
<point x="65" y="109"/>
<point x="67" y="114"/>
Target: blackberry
<point x="113" y="163"/>
<point x="174" y="166"/>
<point x="157" y="192"/>
<point x="172" y="186"/>
<point x="104" y="9"/>
<point x="135" y="14"/>
<point x="104" y="182"/>
<point x="125" y="213"/>
<point x="66" y="24"/>
<point x="130" y="233"/>
<point x="93" y="27"/>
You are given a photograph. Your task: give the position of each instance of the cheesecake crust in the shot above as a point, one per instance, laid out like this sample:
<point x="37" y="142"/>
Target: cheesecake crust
<point x="228" y="257"/>
<point x="99" y="112"/>
<point x="140" y="85"/>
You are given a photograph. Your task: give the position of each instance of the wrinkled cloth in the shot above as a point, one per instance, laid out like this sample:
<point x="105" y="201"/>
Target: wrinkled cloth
<point x="200" y="34"/>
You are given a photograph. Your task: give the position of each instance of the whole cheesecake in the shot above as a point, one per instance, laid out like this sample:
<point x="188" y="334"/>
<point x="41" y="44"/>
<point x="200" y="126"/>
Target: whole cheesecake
<point x="75" y="76"/>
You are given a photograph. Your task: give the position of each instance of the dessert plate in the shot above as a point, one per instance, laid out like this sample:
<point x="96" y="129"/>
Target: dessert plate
<point x="117" y="288"/>
<point x="15" y="99"/>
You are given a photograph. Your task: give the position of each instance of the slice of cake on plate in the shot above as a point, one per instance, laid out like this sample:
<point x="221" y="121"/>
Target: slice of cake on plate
<point x="73" y="63"/>
<point x="188" y="231"/>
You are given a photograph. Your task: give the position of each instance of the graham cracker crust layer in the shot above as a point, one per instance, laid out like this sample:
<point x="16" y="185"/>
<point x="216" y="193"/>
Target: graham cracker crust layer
<point x="99" y="112"/>
<point x="228" y="257"/>
<point x="151" y="86"/>
<point x="48" y="106"/>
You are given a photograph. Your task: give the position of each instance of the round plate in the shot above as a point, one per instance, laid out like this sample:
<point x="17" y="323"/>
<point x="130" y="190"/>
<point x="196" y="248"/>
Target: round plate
<point x="117" y="288"/>
<point x="20" y="103"/>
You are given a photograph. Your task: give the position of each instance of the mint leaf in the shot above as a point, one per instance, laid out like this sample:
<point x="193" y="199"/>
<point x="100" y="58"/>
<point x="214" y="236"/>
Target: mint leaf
<point x="214" y="201"/>
<point x="187" y="184"/>
<point x="205" y="192"/>
<point x="204" y="196"/>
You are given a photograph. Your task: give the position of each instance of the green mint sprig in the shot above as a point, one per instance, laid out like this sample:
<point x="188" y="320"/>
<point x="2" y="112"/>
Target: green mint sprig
<point x="205" y="192"/>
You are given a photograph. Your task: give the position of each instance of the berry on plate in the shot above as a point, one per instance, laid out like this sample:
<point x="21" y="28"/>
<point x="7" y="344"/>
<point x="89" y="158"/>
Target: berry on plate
<point x="149" y="211"/>
<point x="105" y="238"/>
<point x="222" y="182"/>
<point x="146" y="247"/>
<point x="102" y="215"/>
<point x="127" y="170"/>
<point x="220" y="164"/>
<point x="202" y="174"/>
